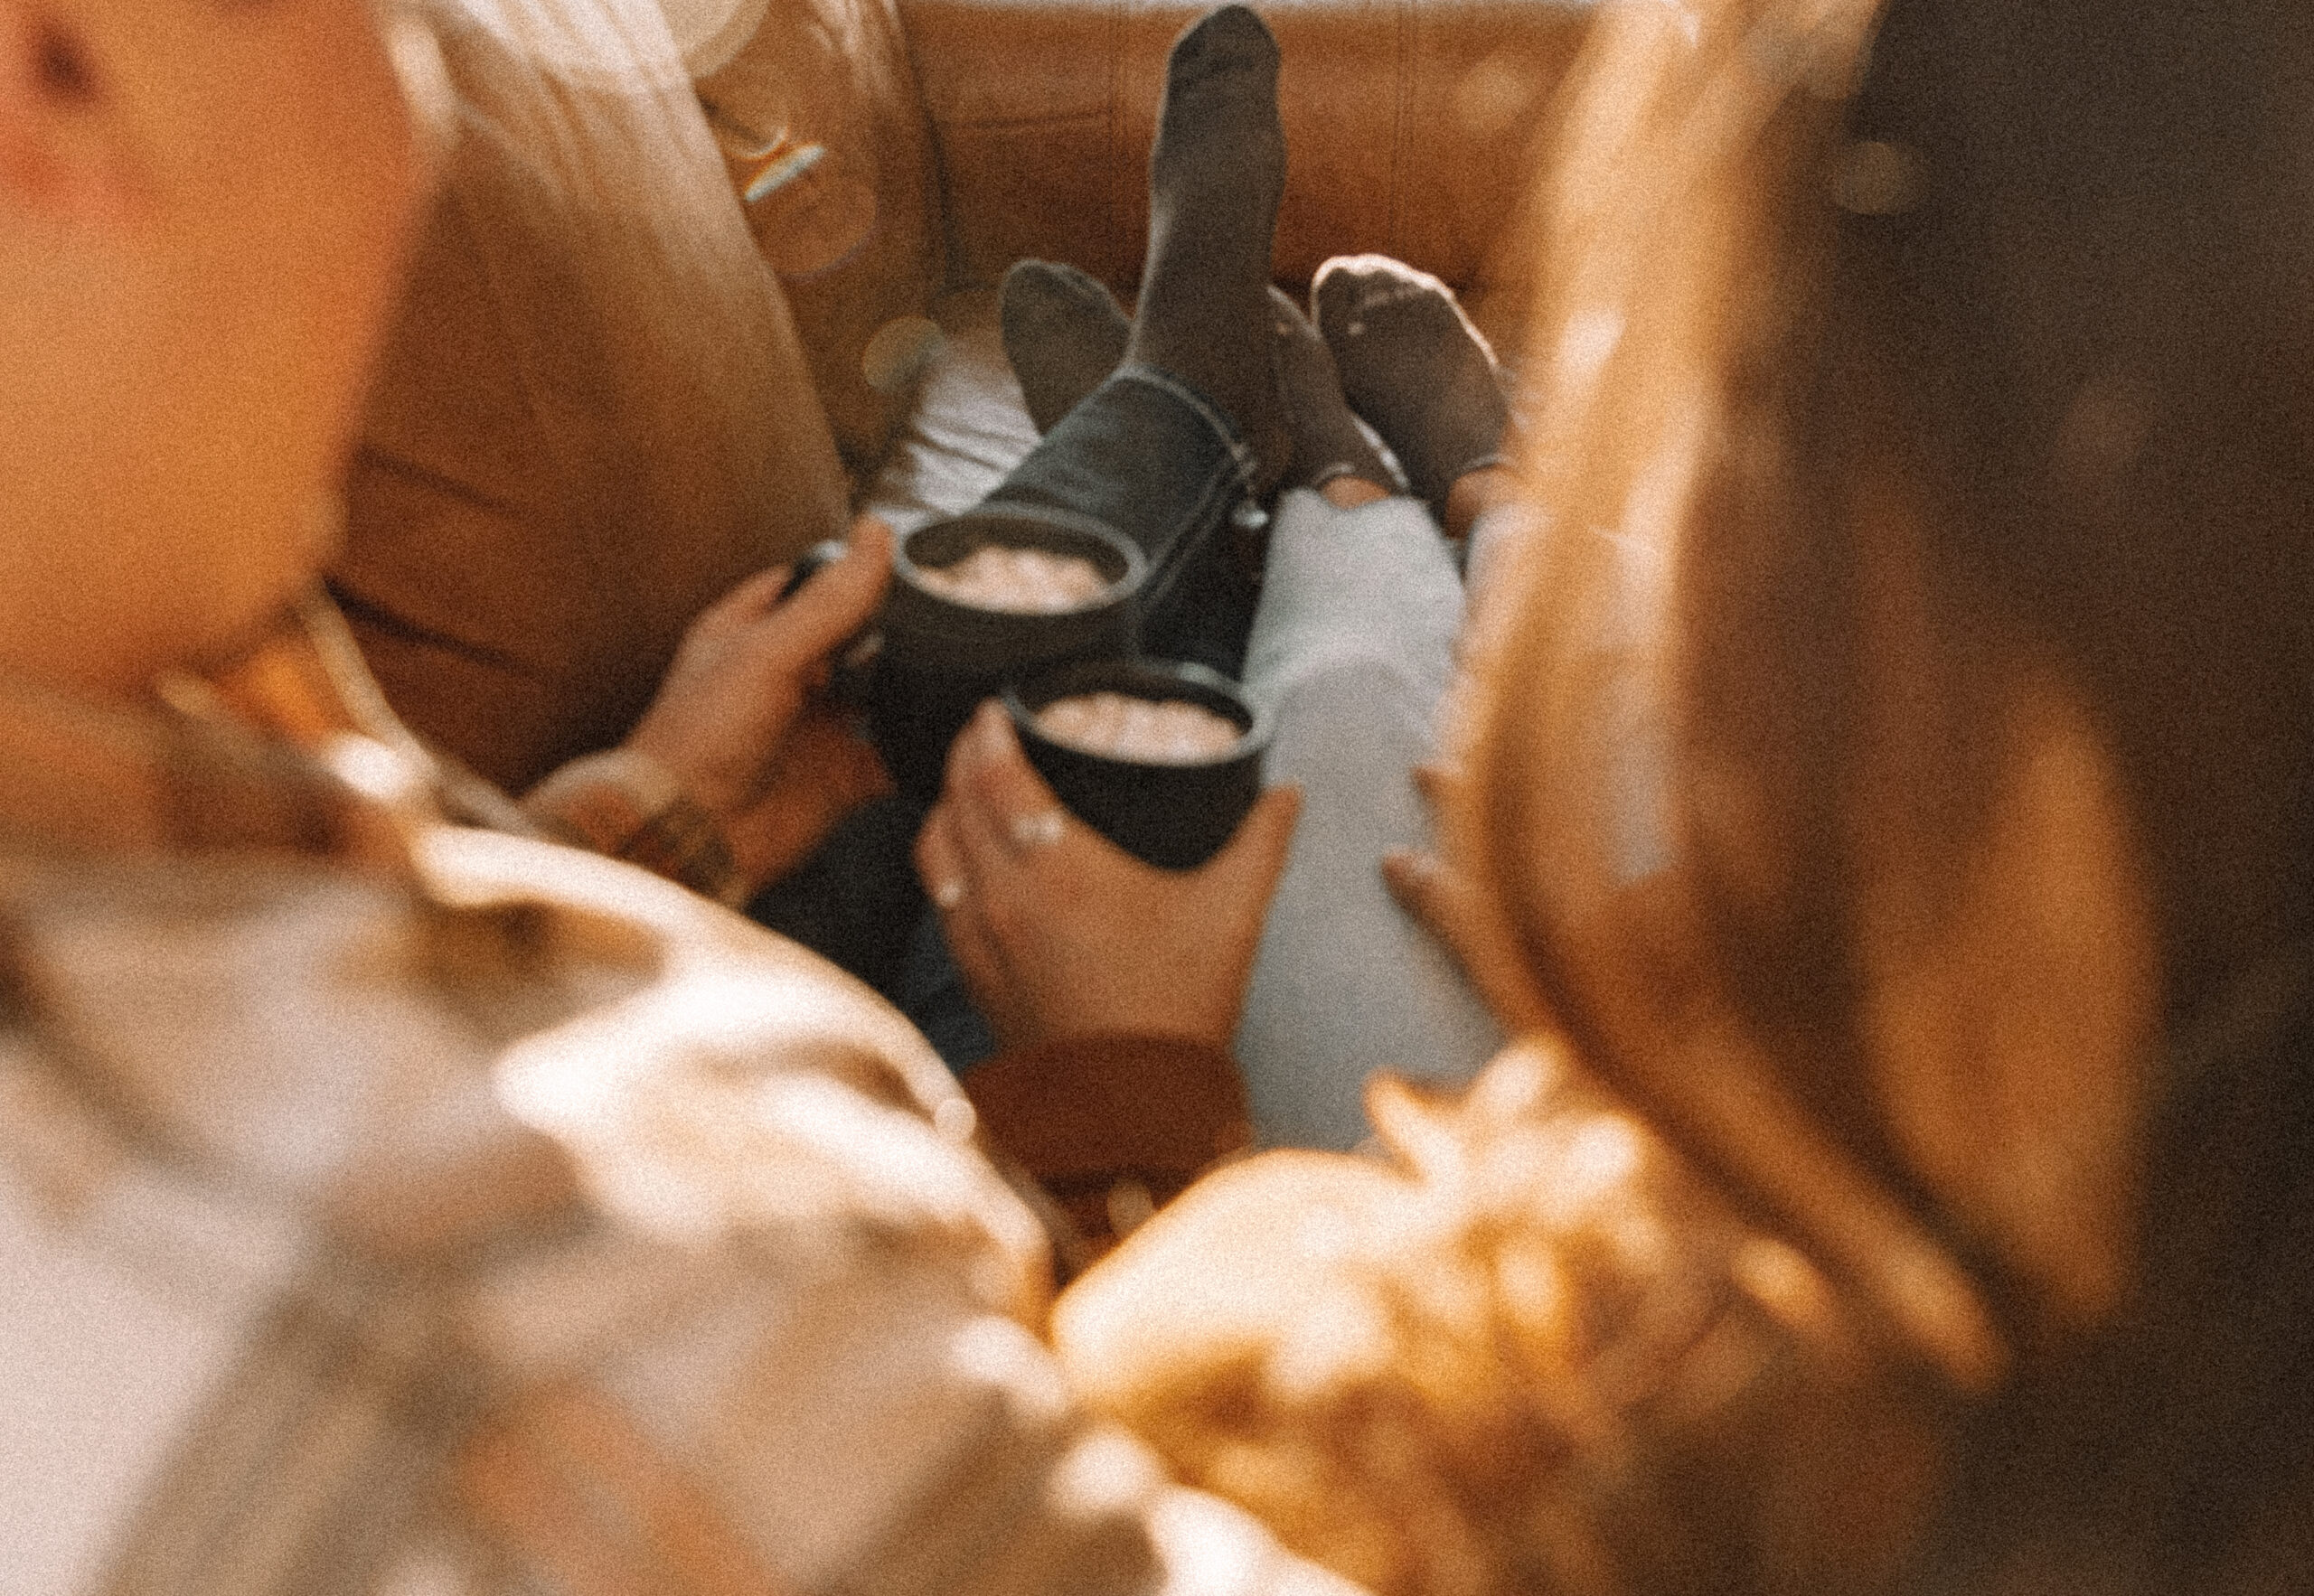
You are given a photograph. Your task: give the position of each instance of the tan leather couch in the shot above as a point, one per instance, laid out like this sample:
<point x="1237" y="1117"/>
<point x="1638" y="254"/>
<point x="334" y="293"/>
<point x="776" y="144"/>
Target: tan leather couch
<point x="597" y="415"/>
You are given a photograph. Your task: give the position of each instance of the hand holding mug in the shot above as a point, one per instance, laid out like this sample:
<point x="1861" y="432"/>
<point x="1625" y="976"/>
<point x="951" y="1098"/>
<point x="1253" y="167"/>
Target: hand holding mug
<point x="1060" y="933"/>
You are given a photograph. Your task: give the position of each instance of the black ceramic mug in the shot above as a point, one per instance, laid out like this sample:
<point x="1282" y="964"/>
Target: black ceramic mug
<point x="940" y="656"/>
<point x="1174" y="812"/>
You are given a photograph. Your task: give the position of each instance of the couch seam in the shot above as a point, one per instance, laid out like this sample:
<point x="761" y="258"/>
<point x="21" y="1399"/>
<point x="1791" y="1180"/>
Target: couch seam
<point x="1401" y="122"/>
<point x="1119" y="38"/>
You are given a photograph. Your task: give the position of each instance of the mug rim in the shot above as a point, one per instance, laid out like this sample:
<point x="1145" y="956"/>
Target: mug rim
<point x="1117" y="676"/>
<point x="1118" y="590"/>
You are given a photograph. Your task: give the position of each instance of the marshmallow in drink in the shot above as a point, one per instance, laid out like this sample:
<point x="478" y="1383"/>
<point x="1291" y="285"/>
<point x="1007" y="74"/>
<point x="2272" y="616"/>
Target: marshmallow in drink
<point x="1149" y="731"/>
<point x="1017" y="581"/>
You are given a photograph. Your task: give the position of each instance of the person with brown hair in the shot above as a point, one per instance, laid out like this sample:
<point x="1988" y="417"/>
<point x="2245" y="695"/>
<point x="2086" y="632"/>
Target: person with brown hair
<point x="1880" y="809"/>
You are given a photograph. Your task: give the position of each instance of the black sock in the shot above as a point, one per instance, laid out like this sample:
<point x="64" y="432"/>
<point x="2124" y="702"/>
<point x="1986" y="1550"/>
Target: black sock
<point x="1214" y="179"/>
<point x="1063" y="332"/>
<point x="1413" y="365"/>
<point x="1327" y="440"/>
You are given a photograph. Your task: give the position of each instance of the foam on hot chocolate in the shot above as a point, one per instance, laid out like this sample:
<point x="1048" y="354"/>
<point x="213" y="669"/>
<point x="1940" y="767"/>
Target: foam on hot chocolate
<point x="1167" y="731"/>
<point x="1018" y="581"/>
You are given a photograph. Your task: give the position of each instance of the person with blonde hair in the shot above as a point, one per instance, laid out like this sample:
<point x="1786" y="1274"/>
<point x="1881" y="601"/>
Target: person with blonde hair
<point x="394" y="1206"/>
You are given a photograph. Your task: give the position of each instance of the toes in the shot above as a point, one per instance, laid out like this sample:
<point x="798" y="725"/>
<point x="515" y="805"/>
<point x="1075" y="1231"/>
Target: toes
<point x="1350" y="287"/>
<point x="1088" y="291"/>
<point x="1230" y="37"/>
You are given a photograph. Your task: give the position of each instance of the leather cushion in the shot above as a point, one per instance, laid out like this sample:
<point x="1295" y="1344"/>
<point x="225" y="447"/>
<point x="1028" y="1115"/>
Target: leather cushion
<point x="1409" y="127"/>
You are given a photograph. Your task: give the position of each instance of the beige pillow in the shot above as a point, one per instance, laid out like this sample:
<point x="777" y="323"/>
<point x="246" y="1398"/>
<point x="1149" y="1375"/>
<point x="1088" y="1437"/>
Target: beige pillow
<point x="595" y="414"/>
<point x="823" y="94"/>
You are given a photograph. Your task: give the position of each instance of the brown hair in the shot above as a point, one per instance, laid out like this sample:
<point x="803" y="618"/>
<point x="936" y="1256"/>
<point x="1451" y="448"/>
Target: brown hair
<point x="1902" y="730"/>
